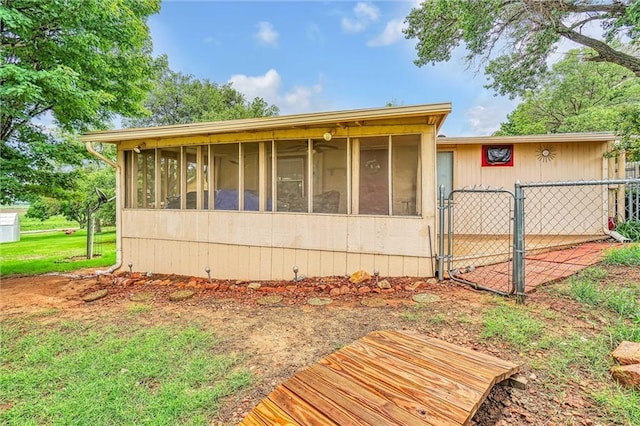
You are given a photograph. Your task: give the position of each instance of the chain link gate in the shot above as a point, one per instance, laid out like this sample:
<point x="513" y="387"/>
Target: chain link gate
<point x="500" y="241"/>
<point x="476" y="238"/>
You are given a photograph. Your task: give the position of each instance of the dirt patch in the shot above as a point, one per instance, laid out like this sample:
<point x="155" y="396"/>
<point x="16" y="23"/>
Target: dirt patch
<point x="275" y="341"/>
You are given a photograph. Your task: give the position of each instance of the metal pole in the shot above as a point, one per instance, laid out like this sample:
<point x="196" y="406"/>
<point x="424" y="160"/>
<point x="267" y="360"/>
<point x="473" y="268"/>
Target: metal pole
<point x="89" y="233"/>
<point x="441" y="233"/>
<point x="518" y="243"/>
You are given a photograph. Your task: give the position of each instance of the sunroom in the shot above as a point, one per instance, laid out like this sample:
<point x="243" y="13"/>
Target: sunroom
<point x="327" y="193"/>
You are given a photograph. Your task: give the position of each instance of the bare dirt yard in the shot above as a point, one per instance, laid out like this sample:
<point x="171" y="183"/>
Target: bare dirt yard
<point x="277" y="339"/>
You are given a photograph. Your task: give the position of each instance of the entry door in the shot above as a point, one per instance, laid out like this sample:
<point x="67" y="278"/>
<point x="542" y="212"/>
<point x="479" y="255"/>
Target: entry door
<point x="445" y="171"/>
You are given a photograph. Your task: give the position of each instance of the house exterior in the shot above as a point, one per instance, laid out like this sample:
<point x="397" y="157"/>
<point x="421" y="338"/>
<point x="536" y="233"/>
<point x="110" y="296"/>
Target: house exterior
<point x="328" y="193"/>
<point x="500" y="161"/>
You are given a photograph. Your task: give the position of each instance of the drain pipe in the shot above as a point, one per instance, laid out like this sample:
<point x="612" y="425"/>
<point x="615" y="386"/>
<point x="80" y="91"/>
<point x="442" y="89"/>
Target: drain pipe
<point x="118" y="264"/>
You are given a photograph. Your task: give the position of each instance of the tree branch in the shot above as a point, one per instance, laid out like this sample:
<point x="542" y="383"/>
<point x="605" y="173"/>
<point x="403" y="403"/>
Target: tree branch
<point x="605" y="52"/>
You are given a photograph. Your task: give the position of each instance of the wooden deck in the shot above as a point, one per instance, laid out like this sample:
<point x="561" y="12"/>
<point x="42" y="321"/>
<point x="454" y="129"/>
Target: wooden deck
<point x="386" y="378"/>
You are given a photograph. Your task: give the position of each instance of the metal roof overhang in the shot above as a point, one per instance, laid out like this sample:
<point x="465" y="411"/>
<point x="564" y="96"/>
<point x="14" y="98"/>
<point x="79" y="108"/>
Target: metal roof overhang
<point x="546" y="138"/>
<point x="434" y="114"/>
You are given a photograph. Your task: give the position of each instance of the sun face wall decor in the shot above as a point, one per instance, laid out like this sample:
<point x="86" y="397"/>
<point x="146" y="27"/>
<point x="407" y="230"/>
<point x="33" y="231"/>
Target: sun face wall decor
<point x="545" y="154"/>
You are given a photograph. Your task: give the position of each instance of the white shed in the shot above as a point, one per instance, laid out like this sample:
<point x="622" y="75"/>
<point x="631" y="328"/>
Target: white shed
<point x="9" y="227"/>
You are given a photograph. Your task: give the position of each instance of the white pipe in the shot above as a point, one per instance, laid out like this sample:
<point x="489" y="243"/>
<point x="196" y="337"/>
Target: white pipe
<point x="115" y="165"/>
<point x="615" y="235"/>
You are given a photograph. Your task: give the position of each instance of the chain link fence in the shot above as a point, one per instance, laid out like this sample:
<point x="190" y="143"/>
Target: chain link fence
<point x="567" y="226"/>
<point x="508" y="242"/>
<point x="478" y="224"/>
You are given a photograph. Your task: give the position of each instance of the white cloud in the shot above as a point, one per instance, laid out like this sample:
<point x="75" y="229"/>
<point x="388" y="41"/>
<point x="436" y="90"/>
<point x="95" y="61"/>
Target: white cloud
<point x="391" y="34"/>
<point x="485" y="117"/>
<point x="264" y="86"/>
<point x="365" y="14"/>
<point x="301" y="98"/>
<point x="211" y="40"/>
<point x="269" y="87"/>
<point x="266" y="34"/>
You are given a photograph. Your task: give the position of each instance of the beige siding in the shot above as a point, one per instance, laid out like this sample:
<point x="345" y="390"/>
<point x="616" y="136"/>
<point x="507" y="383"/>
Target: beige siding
<point x="405" y="236"/>
<point x="572" y="161"/>
<point x="261" y="263"/>
<point x="264" y="246"/>
<point x="548" y="211"/>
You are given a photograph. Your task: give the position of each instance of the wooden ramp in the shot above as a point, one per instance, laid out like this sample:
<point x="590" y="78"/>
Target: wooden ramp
<point x="386" y="378"/>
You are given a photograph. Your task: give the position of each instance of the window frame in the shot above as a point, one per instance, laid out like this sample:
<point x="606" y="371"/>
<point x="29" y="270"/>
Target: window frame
<point x="485" y="155"/>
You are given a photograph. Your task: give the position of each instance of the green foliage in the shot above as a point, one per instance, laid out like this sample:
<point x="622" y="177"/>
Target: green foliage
<point x="514" y="324"/>
<point x="624" y="406"/>
<point x="581" y="96"/>
<point x="78" y="62"/>
<point x="531" y="29"/>
<point x="622" y="301"/>
<point x="36" y="163"/>
<point x="55" y="252"/>
<point x="75" y="373"/>
<point x="179" y="99"/>
<point x="74" y="202"/>
<point x="628" y="255"/>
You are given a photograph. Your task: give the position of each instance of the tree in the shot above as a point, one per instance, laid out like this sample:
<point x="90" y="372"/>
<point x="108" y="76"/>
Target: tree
<point x="179" y="99"/>
<point x="78" y="62"/>
<point x="523" y="33"/>
<point x="73" y="202"/>
<point x="578" y="96"/>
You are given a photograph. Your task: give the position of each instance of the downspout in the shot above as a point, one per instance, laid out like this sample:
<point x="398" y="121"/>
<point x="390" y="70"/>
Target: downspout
<point x="118" y="263"/>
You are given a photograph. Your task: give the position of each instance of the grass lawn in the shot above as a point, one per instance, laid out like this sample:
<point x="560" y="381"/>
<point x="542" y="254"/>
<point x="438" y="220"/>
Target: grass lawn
<point x="54" y="222"/>
<point x="54" y="252"/>
<point x="90" y="374"/>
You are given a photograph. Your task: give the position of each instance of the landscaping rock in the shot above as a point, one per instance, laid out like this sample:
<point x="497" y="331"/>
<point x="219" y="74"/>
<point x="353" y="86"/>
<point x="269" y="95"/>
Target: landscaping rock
<point x="345" y="289"/>
<point x="359" y="277"/>
<point x="95" y="295"/>
<point x="384" y="284"/>
<point x="432" y="281"/>
<point x="364" y="290"/>
<point x="425" y="298"/>
<point x="627" y="375"/>
<point x="373" y="302"/>
<point x="269" y="300"/>
<point x="627" y="353"/>
<point x="254" y="286"/>
<point x="180" y="295"/>
<point x="141" y="297"/>
<point x="335" y="292"/>
<point x="414" y="285"/>
<point x="319" y="301"/>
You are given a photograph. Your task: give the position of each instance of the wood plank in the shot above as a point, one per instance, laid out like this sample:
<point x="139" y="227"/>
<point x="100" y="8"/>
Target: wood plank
<point x="448" y="369"/>
<point x="487" y="360"/>
<point x="252" y="419"/>
<point x="372" y="398"/>
<point x="477" y="366"/>
<point x="298" y="408"/>
<point x="396" y="381"/>
<point x="435" y="414"/>
<point x="441" y="386"/>
<point x="321" y="402"/>
<point x="270" y="414"/>
<point x="386" y="378"/>
<point x="348" y="401"/>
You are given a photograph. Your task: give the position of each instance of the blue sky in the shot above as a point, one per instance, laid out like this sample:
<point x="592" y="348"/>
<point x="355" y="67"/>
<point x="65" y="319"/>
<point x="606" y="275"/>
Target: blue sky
<point x="307" y="56"/>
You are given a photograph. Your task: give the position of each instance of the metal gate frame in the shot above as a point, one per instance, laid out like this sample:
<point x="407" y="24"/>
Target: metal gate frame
<point x="446" y="210"/>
